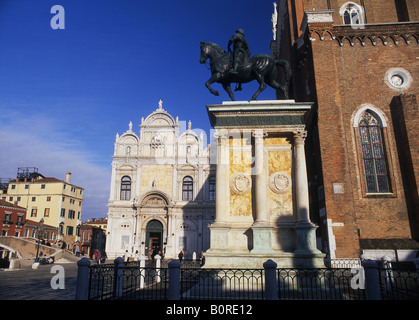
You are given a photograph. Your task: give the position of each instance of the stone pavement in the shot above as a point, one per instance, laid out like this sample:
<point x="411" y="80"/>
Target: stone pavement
<point x="29" y="284"/>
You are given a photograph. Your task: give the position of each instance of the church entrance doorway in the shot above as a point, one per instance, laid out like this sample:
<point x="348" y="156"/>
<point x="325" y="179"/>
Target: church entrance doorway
<point x="154" y="236"/>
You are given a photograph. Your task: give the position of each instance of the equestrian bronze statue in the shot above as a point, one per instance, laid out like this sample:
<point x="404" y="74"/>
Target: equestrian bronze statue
<point x="240" y="68"/>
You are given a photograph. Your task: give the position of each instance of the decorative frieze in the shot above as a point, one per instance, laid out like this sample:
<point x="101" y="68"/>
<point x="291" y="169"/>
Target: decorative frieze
<point x="368" y="34"/>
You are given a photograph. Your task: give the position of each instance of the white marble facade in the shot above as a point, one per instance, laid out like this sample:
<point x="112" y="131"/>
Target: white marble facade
<point x="162" y="189"/>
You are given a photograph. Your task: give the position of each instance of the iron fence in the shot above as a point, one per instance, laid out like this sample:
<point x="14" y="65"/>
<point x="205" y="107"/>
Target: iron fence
<point x="132" y="282"/>
<point x="222" y="284"/>
<point x="128" y="282"/>
<point x="318" y="284"/>
<point x="399" y="281"/>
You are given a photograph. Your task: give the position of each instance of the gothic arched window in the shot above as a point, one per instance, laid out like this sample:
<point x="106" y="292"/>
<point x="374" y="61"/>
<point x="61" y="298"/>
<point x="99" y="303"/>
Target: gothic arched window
<point x="374" y="160"/>
<point x="352" y="14"/>
<point x="125" y="188"/>
<point x="187" y="189"/>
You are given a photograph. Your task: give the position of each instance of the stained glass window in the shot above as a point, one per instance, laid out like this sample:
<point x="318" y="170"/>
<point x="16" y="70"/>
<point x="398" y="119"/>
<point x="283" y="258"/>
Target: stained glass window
<point x="373" y="155"/>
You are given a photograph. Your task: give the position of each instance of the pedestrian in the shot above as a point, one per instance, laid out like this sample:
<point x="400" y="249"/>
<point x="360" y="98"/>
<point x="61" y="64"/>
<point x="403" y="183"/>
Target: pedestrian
<point x="180" y="255"/>
<point x="77" y="250"/>
<point x="98" y="256"/>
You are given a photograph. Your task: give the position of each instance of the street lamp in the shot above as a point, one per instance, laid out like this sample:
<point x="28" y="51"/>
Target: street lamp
<point x="41" y="222"/>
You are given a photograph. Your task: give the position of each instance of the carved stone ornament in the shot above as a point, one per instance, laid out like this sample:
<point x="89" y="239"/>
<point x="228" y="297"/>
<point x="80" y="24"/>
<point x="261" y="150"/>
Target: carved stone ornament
<point x="280" y="182"/>
<point x="240" y="183"/>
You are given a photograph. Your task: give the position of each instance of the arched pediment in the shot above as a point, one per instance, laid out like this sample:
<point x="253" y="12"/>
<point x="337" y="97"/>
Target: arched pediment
<point x="159" y="119"/>
<point x="154" y="198"/>
<point x="129" y="138"/>
<point x="187" y="168"/>
<point x="126" y="167"/>
<point x="188" y="137"/>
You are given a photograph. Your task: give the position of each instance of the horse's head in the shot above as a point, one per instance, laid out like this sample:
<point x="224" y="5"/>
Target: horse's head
<point x="204" y="52"/>
<point x="210" y="51"/>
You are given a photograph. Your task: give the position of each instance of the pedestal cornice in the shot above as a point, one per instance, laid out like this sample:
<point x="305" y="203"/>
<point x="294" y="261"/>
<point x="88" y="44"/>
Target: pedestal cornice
<point x="259" y="114"/>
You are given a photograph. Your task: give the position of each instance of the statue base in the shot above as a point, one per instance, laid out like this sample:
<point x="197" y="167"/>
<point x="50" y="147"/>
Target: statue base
<point x="256" y="213"/>
<point x="252" y="260"/>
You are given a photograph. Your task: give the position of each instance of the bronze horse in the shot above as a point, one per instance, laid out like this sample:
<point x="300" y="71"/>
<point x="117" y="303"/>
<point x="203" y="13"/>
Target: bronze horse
<point x="260" y="67"/>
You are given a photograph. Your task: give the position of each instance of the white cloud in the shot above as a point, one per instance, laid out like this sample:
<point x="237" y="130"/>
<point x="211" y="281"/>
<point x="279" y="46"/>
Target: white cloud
<point x="35" y="142"/>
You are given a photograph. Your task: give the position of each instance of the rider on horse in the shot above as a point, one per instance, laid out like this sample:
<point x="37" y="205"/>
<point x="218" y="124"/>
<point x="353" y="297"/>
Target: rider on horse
<point x="240" y="52"/>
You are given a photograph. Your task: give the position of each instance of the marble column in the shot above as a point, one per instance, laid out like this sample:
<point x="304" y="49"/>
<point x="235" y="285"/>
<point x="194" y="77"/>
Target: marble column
<point x="301" y="181"/>
<point x="220" y="228"/>
<point x="259" y="175"/>
<point x="306" y="230"/>
<point x="169" y="238"/>
<point x="222" y="188"/>
<point x="262" y="229"/>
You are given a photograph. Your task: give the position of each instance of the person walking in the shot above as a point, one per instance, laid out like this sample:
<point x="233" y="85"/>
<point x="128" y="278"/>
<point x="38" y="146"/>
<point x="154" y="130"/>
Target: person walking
<point x="97" y="256"/>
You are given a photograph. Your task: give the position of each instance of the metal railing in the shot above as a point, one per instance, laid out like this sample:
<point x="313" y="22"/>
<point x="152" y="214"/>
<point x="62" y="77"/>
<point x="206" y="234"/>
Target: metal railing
<point x="225" y="284"/>
<point x="398" y="281"/>
<point x="318" y="284"/>
<point x="174" y="281"/>
<point x="127" y="282"/>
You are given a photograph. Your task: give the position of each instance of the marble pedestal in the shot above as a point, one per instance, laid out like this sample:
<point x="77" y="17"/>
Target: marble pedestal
<point x="262" y="208"/>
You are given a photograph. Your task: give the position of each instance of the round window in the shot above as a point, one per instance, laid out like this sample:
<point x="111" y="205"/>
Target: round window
<point x="398" y="78"/>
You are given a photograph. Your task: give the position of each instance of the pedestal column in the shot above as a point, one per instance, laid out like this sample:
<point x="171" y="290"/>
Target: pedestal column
<point x="259" y="175"/>
<point x="306" y="230"/>
<point x="262" y="229"/>
<point x="220" y="228"/>
<point x="222" y="189"/>
<point x="301" y="181"/>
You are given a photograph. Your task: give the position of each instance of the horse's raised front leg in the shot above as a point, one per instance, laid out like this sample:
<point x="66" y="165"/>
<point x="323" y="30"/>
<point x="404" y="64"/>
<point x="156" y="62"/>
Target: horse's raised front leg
<point x="262" y="85"/>
<point x="214" y="78"/>
<point x="227" y="88"/>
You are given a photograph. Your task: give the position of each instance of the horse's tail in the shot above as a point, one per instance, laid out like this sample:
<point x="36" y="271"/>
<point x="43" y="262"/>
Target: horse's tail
<point x="285" y="64"/>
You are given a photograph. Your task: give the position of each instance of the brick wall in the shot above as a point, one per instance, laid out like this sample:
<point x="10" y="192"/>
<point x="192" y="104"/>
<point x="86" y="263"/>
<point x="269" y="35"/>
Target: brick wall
<point x="342" y="69"/>
<point x="347" y="77"/>
<point x="376" y="11"/>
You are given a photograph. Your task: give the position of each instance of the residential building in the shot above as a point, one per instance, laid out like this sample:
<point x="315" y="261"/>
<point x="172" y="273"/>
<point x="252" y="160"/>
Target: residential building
<point x="57" y="202"/>
<point x="12" y="219"/>
<point x="48" y="233"/>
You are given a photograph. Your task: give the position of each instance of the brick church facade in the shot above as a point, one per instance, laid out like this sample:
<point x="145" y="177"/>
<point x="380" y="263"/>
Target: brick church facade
<point x="359" y="62"/>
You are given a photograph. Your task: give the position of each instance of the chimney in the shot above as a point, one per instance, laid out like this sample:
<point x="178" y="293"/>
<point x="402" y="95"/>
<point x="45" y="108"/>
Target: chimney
<point x="68" y="177"/>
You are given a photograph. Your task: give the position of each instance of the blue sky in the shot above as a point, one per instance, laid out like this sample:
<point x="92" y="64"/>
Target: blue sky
<point x="64" y="94"/>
